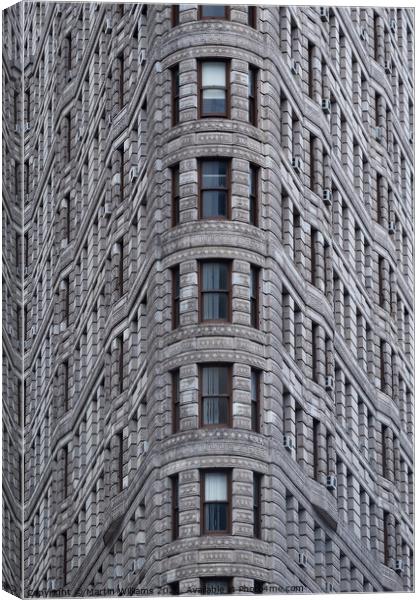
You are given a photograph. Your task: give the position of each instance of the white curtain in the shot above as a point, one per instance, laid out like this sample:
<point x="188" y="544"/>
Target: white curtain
<point x="215" y="487"/>
<point x="214" y="74"/>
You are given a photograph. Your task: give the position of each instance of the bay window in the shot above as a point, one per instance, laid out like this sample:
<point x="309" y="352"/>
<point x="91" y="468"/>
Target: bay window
<point x="214" y="189"/>
<point x="215" y="291"/>
<point x="213" y="83"/>
<point x="215" y="395"/>
<point x="215" y="502"/>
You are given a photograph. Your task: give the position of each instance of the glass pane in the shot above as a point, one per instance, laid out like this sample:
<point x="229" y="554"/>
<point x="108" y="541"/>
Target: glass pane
<point x="216" y="517"/>
<point x="215" y="487"/>
<point x="214" y="174"/>
<point x="251" y="82"/>
<point x="213" y="10"/>
<point x="213" y="74"/>
<point x="215" y="276"/>
<point x="216" y="586"/>
<point x="214" y="101"/>
<point x="214" y="204"/>
<point x="254" y="385"/>
<point x="215" y="306"/>
<point x="215" y="411"/>
<point x="215" y="381"/>
<point x="251" y="181"/>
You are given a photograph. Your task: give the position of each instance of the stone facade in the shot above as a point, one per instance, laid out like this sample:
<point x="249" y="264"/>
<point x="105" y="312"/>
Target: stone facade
<point x="102" y="214"/>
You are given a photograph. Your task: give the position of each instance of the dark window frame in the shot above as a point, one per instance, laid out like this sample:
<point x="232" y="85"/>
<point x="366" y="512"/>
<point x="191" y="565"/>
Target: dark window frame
<point x="120" y="364"/>
<point x="200" y="16"/>
<point x="228" y="188"/>
<point x="121" y="267"/>
<point x="121" y="94"/>
<point x="229" y="396"/>
<point x="120" y="435"/>
<point x="201" y="292"/>
<point x="201" y="113"/>
<point x="203" y="502"/>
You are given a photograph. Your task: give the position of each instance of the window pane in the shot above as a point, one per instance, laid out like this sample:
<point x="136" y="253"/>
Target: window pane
<point x="216" y="517"/>
<point x="251" y="181"/>
<point x="214" y="174"/>
<point x="215" y="487"/>
<point x="251" y="82"/>
<point x="214" y="204"/>
<point x="215" y="411"/>
<point x="214" y="101"/>
<point x="215" y="306"/>
<point x="254" y="385"/>
<point x="213" y="74"/>
<point x="215" y="276"/>
<point x="212" y="10"/>
<point x="215" y="381"/>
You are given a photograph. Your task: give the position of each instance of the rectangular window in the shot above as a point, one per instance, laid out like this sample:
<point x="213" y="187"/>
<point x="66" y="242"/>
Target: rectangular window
<point x="214" y="586"/>
<point x="66" y="385"/>
<point x="120" y="364"/>
<point x="121" y="268"/>
<point x="175" y="297"/>
<point x="215" y="283"/>
<point x="252" y="16"/>
<point x="120" y="461"/>
<point x="69" y="54"/>
<point x="258" y="586"/>
<point x="255" y="400"/>
<point x="213" y="84"/>
<point x="175" y="195"/>
<point x="213" y="11"/>
<point x="174" y="588"/>
<point x="175" y="401"/>
<point x="315" y="447"/>
<point x="64" y="557"/>
<point x="65" y="470"/>
<point x="257" y="504"/>
<point x="253" y="296"/>
<point x="386" y="538"/>
<point x="252" y="95"/>
<point x="253" y="194"/>
<point x="175" y="506"/>
<point x="120" y="69"/>
<point x="215" y="502"/>
<point x="175" y="95"/>
<point x="215" y="395"/>
<point x="120" y="152"/>
<point x="214" y="189"/>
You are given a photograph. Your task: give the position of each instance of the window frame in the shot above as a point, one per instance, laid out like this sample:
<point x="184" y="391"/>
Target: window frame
<point x="228" y="189"/>
<point x="228" y="530"/>
<point x="201" y="293"/>
<point x="201" y="114"/>
<point x="229" y="398"/>
<point x="200" y="16"/>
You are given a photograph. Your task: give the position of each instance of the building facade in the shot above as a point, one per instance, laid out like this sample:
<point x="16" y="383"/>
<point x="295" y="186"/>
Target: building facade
<point x="208" y="236"/>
